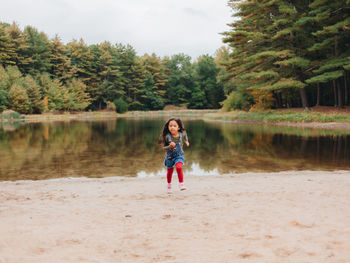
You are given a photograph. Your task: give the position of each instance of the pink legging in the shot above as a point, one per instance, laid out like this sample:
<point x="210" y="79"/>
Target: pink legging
<point x="179" y="173"/>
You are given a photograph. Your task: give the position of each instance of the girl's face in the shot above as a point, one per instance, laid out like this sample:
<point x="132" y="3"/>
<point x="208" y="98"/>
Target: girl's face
<point x="173" y="127"/>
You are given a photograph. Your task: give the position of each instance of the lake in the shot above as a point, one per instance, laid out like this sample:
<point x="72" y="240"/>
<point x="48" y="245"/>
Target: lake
<point x="129" y="147"/>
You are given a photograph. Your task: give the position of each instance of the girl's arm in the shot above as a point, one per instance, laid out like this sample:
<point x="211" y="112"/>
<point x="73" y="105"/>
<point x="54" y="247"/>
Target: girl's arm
<point x="186" y="138"/>
<point x="169" y="146"/>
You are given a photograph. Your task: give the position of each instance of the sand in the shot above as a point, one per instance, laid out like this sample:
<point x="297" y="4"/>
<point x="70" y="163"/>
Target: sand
<point x="253" y="217"/>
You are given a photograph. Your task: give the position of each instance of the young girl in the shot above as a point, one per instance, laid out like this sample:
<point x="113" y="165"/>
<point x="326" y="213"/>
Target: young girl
<point x="172" y="136"/>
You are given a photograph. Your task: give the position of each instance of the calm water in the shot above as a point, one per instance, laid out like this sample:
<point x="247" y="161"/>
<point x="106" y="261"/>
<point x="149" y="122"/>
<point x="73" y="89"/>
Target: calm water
<point x="128" y="147"/>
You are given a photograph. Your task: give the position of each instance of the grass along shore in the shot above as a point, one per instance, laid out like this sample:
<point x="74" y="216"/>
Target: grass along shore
<point x="316" y="116"/>
<point x="96" y="115"/>
<point x="320" y="115"/>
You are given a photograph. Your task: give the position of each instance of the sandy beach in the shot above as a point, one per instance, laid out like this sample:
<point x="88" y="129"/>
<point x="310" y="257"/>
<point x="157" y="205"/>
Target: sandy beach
<point x="252" y="217"/>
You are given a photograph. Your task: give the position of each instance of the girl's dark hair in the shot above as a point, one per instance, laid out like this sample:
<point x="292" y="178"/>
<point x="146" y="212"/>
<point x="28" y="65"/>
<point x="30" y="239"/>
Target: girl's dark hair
<point x="165" y="130"/>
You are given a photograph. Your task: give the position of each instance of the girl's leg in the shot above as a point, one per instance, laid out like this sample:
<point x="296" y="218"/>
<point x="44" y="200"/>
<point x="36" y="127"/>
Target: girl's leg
<point x="180" y="174"/>
<point x="169" y="174"/>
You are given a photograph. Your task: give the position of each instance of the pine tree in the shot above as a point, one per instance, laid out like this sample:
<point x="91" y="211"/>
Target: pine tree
<point x="180" y="79"/>
<point x="20" y="44"/>
<point x="18" y="99"/>
<point x="58" y="96"/>
<point x="79" y="98"/>
<point x="222" y="57"/>
<point x="3" y="91"/>
<point x="38" y="50"/>
<point x="9" y="76"/>
<point x="44" y="81"/>
<point x="267" y="47"/>
<point x="205" y="75"/>
<point x="126" y="57"/>
<point x="332" y="23"/>
<point x="108" y="72"/>
<point x="7" y="50"/>
<point x="137" y="85"/>
<point x="60" y="65"/>
<point x="82" y="61"/>
<point x="3" y="100"/>
<point x="33" y="91"/>
<point x="153" y="65"/>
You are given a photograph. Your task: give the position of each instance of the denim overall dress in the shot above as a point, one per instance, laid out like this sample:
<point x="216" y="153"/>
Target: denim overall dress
<point x="174" y="156"/>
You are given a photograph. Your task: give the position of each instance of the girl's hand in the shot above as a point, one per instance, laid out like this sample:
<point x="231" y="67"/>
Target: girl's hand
<point x="172" y="145"/>
<point x="187" y="144"/>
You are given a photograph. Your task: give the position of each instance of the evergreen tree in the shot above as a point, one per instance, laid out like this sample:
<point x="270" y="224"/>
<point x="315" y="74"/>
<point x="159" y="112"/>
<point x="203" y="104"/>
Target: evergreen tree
<point x="83" y="66"/>
<point x="44" y="81"/>
<point x="222" y="57"/>
<point x="108" y="72"/>
<point x="154" y="66"/>
<point x="332" y="46"/>
<point x="137" y="85"/>
<point x="19" y="42"/>
<point x="205" y="75"/>
<point x="33" y="91"/>
<point x="7" y="50"/>
<point x="79" y="98"/>
<point x="180" y="79"/>
<point x="59" y="61"/>
<point x="9" y="76"/>
<point x="268" y="53"/>
<point x="126" y="56"/>
<point x="18" y="99"/>
<point x="198" y="98"/>
<point x="3" y="90"/>
<point x="58" y="96"/>
<point x="38" y="50"/>
<point x="150" y="100"/>
<point x="3" y="100"/>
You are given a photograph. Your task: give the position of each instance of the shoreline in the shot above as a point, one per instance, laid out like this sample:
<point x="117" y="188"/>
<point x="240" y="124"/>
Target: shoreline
<point x="292" y="216"/>
<point x="311" y="125"/>
<point x="206" y="115"/>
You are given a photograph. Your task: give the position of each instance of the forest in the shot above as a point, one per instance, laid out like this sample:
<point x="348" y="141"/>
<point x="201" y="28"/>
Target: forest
<point x="278" y="54"/>
<point x="38" y="74"/>
<point x="292" y="53"/>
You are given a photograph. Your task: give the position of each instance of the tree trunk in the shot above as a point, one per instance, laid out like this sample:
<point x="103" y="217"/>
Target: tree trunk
<point x="346" y="90"/>
<point x="278" y="102"/>
<point x="340" y="98"/>
<point x="318" y="95"/>
<point x="303" y="98"/>
<point x="335" y="94"/>
<point x="280" y="99"/>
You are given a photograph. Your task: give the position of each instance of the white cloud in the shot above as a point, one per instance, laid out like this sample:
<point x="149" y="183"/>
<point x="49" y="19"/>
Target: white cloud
<point x="165" y="27"/>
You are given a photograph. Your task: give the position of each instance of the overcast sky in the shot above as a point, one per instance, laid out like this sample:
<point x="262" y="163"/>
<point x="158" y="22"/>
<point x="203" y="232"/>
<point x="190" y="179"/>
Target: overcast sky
<point x="165" y="27"/>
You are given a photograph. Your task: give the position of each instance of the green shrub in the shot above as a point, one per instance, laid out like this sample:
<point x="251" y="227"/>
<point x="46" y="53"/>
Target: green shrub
<point x="238" y="101"/>
<point x="10" y="114"/>
<point x="3" y="100"/>
<point x="111" y="106"/>
<point x="121" y="105"/>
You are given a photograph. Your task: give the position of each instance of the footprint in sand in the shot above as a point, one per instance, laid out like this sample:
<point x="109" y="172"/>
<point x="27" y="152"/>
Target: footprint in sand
<point x="166" y="217"/>
<point x="282" y="252"/>
<point x="248" y="255"/>
<point x="296" y="223"/>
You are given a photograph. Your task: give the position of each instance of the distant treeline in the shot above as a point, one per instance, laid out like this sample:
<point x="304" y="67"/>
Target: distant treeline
<point x="38" y="74"/>
<point x="289" y="53"/>
<point x="281" y="53"/>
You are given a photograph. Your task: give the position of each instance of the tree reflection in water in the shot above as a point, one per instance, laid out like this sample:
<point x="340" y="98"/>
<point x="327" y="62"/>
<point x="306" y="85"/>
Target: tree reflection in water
<point x="129" y="147"/>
